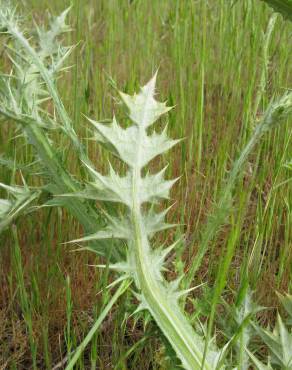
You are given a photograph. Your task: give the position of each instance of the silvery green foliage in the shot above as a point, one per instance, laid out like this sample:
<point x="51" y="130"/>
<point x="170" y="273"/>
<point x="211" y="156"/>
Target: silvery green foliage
<point x="35" y="63"/>
<point x="23" y="91"/>
<point x="35" y="59"/>
<point x="20" y="198"/>
<point x="277" y="112"/>
<point x="278" y="341"/>
<point x="243" y="315"/>
<point x="286" y="301"/>
<point x="237" y="326"/>
<point x="136" y="147"/>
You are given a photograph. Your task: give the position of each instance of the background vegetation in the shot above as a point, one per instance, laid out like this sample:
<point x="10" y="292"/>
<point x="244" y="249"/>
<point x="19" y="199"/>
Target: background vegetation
<point x="213" y="67"/>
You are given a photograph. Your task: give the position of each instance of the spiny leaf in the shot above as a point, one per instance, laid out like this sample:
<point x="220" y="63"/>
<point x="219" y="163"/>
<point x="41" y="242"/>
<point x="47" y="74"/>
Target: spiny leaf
<point x="115" y="188"/>
<point x="154" y="222"/>
<point x="5" y="206"/>
<point x="287" y="303"/>
<point x="259" y="365"/>
<point x="143" y="305"/>
<point x="123" y="142"/>
<point x="144" y="110"/>
<point x="47" y="39"/>
<point x="116" y="229"/>
<point x="20" y="198"/>
<point x="271" y="341"/>
<point x="279" y="342"/>
<point x="101" y="234"/>
<point x="154" y="187"/>
<point x="136" y="148"/>
<point x="119" y="266"/>
<point x="286" y="342"/>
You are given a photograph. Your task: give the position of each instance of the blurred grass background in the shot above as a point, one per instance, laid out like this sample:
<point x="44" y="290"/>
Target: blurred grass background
<point x="211" y="61"/>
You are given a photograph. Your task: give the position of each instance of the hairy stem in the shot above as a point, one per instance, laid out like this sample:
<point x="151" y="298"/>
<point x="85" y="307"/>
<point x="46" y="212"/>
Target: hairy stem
<point x="79" y="208"/>
<point x="219" y="216"/>
<point x="170" y="319"/>
<point x="52" y="89"/>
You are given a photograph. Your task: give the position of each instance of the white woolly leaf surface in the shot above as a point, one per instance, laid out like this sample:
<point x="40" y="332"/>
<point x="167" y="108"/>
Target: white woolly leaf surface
<point x="136" y="148"/>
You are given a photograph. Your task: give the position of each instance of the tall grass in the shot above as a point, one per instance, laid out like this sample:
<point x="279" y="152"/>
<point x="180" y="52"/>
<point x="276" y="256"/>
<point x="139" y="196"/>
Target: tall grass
<point x="218" y="104"/>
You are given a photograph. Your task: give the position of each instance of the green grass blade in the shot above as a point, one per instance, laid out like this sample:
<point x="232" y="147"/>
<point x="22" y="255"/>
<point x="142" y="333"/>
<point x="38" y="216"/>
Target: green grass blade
<point x="122" y="288"/>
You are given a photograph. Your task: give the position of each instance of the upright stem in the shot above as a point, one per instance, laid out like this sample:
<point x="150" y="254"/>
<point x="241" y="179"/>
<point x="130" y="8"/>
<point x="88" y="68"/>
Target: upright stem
<point x="81" y="209"/>
<point x="218" y="217"/>
<point x="167" y="315"/>
<point x="53" y="92"/>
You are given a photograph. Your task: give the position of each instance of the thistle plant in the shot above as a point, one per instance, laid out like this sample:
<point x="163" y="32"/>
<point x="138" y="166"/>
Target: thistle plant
<point x="136" y="147"/>
<point x="24" y="91"/>
<point x="278" y="341"/>
<point x="23" y="94"/>
<point x="18" y="202"/>
<point x="236" y="323"/>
